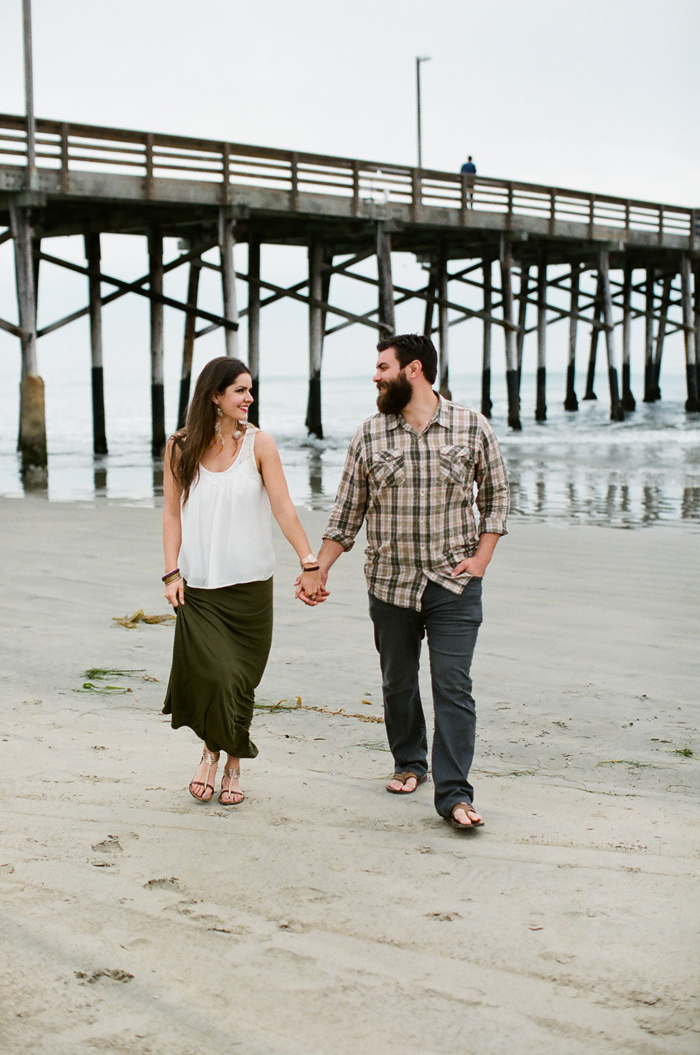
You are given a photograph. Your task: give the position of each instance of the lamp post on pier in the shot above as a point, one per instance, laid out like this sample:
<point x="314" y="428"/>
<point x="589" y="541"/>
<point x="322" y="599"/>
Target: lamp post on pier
<point x="419" y="59"/>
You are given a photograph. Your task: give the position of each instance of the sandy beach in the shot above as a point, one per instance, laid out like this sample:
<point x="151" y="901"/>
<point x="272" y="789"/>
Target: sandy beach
<point x="323" y="914"/>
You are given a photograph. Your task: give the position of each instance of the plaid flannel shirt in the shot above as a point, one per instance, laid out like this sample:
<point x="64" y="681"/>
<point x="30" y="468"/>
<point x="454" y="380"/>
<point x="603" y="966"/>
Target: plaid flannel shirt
<point x="416" y="493"/>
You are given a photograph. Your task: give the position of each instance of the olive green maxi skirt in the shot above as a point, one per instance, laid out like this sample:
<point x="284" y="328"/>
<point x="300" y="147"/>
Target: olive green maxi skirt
<point x="222" y="641"/>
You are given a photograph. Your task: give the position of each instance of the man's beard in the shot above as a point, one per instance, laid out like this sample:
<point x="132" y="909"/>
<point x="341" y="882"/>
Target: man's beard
<point x="395" y="395"/>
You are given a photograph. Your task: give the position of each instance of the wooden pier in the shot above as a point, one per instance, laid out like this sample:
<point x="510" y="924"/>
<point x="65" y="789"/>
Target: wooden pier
<point x="501" y="237"/>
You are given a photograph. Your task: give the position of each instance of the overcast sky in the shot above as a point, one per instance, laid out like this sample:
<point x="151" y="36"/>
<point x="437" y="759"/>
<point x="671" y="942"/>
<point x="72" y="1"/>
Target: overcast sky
<point x="600" y="95"/>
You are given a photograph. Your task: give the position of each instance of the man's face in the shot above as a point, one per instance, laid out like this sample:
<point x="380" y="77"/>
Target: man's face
<point x="394" y="388"/>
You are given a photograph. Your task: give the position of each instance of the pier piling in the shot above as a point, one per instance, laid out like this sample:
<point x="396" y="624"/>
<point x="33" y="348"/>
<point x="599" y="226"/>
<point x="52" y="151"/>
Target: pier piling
<point x="523" y="294"/>
<point x="314" y="422"/>
<point x="195" y="271"/>
<point x="649" y="388"/>
<point x="666" y="287"/>
<point x="385" y="282"/>
<point x="570" y="400"/>
<point x="692" y="403"/>
<point x="541" y="400"/>
<point x="155" y="259"/>
<point x="227" y="241"/>
<point x="509" y="336"/>
<point x="254" y="325"/>
<point x="595" y="333"/>
<point x="486" y="404"/>
<point x="93" y="257"/>
<point x="443" y="327"/>
<point x="617" y="412"/>
<point x="32" y="413"/>
<point x="628" y="400"/>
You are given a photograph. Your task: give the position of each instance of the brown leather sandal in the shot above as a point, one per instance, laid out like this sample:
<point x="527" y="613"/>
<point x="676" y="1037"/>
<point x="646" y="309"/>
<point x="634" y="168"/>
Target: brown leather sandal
<point x="468" y="808"/>
<point x="211" y="760"/>
<point x="232" y="774"/>
<point x="403" y="777"/>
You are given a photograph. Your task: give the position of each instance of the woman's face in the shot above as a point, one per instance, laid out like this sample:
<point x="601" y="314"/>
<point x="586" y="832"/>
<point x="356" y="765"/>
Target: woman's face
<point x="235" y="400"/>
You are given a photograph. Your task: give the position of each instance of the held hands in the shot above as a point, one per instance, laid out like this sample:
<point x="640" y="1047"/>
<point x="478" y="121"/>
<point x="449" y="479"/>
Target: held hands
<point x="311" y="587"/>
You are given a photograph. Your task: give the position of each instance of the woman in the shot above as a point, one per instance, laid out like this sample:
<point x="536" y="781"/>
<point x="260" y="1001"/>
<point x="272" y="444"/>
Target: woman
<point x="222" y="480"/>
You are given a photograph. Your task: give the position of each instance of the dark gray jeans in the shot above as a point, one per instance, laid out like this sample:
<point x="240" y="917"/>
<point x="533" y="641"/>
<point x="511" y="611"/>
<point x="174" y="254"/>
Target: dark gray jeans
<point x="451" y="622"/>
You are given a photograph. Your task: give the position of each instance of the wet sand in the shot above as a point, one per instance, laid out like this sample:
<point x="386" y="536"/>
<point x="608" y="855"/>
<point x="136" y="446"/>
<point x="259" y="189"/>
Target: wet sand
<point x="323" y="914"/>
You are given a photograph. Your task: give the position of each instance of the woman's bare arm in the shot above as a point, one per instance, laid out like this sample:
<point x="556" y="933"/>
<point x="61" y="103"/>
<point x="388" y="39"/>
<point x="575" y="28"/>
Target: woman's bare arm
<point x="172" y="529"/>
<point x="270" y="466"/>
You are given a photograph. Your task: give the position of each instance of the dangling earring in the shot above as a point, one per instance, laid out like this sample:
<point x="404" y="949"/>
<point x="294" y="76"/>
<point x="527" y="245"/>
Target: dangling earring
<point x="217" y="424"/>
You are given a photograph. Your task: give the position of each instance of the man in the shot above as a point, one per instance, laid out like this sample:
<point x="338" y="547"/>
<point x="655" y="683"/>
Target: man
<point x="470" y="169"/>
<point x="410" y="473"/>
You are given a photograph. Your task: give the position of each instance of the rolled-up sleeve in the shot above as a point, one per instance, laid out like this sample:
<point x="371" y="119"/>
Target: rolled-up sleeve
<point x="348" y="512"/>
<point x="492" y="484"/>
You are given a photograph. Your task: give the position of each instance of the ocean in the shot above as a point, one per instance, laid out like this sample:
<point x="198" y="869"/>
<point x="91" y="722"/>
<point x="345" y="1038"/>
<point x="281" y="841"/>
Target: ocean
<point x="575" y="468"/>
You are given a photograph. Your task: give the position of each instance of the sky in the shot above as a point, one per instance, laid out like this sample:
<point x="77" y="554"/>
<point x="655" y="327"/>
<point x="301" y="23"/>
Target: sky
<point x="601" y="95"/>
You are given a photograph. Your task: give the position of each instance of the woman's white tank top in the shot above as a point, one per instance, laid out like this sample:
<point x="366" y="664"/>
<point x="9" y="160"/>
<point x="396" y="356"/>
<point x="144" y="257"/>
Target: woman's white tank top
<point x="227" y="525"/>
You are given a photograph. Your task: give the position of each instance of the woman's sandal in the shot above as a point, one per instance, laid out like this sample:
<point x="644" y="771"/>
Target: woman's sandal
<point x="403" y="777"/>
<point x="210" y="760"/>
<point x="232" y="774"/>
<point x="468" y="808"/>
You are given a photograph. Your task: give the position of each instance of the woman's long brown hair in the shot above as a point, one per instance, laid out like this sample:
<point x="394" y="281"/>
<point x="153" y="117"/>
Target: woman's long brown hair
<point x="189" y="444"/>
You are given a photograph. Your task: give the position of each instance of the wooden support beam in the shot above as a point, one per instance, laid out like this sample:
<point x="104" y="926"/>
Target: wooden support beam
<point x="384" y="280"/>
<point x="443" y="331"/>
<point x="99" y="432"/>
<point x="486" y="404"/>
<point x="509" y="335"/>
<point x="661" y="332"/>
<point x="188" y="343"/>
<point x="692" y="403"/>
<point x="595" y="331"/>
<point x="522" y="318"/>
<point x="32" y="413"/>
<point x="617" y="412"/>
<point x="155" y="259"/>
<point x="430" y="301"/>
<point x="126" y="287"/>
<point x="314" y="418"/>
<point x="570" y="400"/>
<point x="134" y="287"/>
<point x="254" y="324"/>
<point x="628" y="400"/>
<point x="696" y="284"/>
<point x="649" y="396"/>
<point x="541" y="399"/>
<point x="227" y="241"/>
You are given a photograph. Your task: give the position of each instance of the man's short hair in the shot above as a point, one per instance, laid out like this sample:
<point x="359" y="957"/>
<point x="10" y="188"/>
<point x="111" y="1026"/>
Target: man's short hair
<point x="411" y="346"/>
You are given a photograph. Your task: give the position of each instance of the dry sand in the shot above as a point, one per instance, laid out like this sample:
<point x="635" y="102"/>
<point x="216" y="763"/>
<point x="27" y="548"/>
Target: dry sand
<point x="324" y="915"/>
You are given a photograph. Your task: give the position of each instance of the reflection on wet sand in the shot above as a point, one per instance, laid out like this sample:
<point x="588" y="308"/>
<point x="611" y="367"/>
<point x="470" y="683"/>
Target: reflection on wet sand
<point x="622" y="488"/>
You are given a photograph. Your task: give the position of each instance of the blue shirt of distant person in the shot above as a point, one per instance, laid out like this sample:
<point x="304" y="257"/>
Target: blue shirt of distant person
<point x="469" y="166"/>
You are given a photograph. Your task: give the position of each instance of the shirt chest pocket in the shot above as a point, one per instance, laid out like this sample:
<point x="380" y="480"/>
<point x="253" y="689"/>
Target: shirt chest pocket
<point x="387" y="468"/>
<point x="457" y="465"/>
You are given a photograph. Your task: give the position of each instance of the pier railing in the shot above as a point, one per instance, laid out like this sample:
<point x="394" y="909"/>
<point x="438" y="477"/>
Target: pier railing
<point x="68" y="148"/>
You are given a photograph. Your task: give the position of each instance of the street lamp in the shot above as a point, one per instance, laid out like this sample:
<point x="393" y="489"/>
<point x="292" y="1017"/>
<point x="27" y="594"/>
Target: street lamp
<point x="29" y="93"/>
<point x="419" y="59"/>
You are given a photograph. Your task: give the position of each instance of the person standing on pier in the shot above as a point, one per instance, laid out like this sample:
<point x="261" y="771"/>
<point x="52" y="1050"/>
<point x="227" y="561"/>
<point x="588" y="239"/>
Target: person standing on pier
<point x="223" y="482"/>
<point x="410" y="474"/>
<point x="469" y="167"/>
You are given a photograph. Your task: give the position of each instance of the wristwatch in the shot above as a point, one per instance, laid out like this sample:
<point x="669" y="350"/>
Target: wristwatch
<point x="310" y="558"/>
